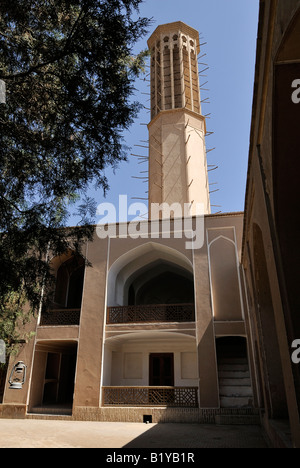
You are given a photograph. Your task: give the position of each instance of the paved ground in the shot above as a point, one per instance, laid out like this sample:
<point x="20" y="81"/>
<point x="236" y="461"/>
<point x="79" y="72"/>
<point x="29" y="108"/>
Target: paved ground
<point x="76" y="434"/>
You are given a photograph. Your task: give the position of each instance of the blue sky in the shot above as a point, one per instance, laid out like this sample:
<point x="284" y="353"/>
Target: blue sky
<point x="229" y="27"/>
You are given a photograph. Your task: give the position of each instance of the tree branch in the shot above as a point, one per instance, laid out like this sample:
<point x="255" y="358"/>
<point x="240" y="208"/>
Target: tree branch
<point x="64" y="53"/>
<point x="32" y="69"/>
<point x="12" y="204"/>
<point x="4" y="35"/>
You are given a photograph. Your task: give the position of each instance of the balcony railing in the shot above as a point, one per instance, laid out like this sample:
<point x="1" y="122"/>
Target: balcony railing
<point x="176" y="397"/>
<point x="60" y="317"/>
<point x="151" y="313"/>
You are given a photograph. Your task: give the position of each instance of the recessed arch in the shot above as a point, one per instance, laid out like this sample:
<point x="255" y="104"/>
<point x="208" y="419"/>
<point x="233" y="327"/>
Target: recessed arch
<point x="160" y="282"/>
<point x="138" y="260"/>
<point x="127" y="355"/>
<point x="69" y="270"/>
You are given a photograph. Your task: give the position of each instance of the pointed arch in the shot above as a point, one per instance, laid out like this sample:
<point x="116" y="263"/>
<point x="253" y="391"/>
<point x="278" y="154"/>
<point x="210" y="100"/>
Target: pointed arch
<point x="69" y="271"/>
<point x="136" y="262"/>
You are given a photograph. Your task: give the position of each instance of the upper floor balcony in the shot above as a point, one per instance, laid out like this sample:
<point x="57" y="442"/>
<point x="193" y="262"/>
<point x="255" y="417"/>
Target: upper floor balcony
<point x="153" y="313"/>
<point x="67" y="297"/>
<point x="157" y="293"/>
<point x="60" y="317"/>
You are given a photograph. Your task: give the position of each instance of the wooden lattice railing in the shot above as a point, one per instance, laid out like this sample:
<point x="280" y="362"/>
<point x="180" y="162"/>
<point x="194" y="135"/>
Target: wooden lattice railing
<point x="151" y="313"/>
<point x="184" y="397"/>
<point x="59" y="317"/>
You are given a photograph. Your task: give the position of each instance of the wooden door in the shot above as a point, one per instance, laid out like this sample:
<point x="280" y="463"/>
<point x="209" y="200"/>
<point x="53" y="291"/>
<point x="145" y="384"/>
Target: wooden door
<point x="161" y="370"/>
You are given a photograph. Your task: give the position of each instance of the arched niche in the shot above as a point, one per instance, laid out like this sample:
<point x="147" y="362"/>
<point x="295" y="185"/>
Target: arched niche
<point x="225" y="280"/>
<point x="69" y="272"/>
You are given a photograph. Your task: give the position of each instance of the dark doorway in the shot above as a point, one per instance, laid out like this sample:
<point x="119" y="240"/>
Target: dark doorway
<point x="53" y="377"/>
<point x="161" y="370"/>
<point x="59" y="379"/>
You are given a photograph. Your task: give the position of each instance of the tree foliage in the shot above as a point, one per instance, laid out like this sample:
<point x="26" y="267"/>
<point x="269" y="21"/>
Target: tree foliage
<point x="69" y="73"/>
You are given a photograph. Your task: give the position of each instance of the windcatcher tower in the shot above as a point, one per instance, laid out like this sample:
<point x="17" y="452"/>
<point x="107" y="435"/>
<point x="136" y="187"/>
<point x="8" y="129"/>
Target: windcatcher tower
<point x="177" y="152"/>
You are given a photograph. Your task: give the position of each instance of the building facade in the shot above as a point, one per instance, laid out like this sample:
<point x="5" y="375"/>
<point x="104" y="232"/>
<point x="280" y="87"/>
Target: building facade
<point x="188" y="318"/>
<point x="157" y="322"/>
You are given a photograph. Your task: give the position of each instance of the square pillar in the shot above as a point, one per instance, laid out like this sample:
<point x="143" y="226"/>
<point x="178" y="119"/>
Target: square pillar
<point x="92" y="323"/>
<point x="205" y="336"/>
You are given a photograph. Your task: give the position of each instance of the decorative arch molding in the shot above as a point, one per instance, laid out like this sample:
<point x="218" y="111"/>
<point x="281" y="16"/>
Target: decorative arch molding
<point x="221" y="237"/>
<point x="163" y="336"/>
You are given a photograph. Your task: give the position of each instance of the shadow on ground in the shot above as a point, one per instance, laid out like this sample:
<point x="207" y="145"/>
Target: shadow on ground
<point x="199" y="436"/>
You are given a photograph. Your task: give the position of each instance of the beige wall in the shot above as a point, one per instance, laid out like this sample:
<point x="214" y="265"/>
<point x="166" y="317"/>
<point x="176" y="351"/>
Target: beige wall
<point x="106" y="356"/>
<point x="177" y="160"/>
<point x="92" y="323"/>
<point x="269" y="316"/>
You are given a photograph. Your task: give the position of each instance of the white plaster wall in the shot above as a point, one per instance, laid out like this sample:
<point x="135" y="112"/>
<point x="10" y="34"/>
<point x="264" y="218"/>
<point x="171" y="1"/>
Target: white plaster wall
<point x="130" y="363"/>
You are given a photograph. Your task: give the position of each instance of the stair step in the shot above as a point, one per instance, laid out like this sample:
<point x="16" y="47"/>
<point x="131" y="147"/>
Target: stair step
<point x="241" y="381"/>
<point x="235" y="367"/>
<point x="235" y="383"/>
<point x="229" y="374"/>
<point x="233" y="360"/>
<point x="51" y="410"/>
<point x="235" y="402"/>
<point x="235" y="390"/>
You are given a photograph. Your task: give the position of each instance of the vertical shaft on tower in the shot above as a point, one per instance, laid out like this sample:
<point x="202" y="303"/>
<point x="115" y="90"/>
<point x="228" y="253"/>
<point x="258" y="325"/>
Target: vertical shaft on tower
<point x="174" y="70"/>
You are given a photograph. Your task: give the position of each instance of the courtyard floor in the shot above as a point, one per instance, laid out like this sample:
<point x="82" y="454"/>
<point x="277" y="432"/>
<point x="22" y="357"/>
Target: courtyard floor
<point x="31" y="433"/>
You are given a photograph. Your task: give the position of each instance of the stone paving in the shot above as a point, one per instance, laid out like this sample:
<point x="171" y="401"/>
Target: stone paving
<point x="78" y="434"/>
